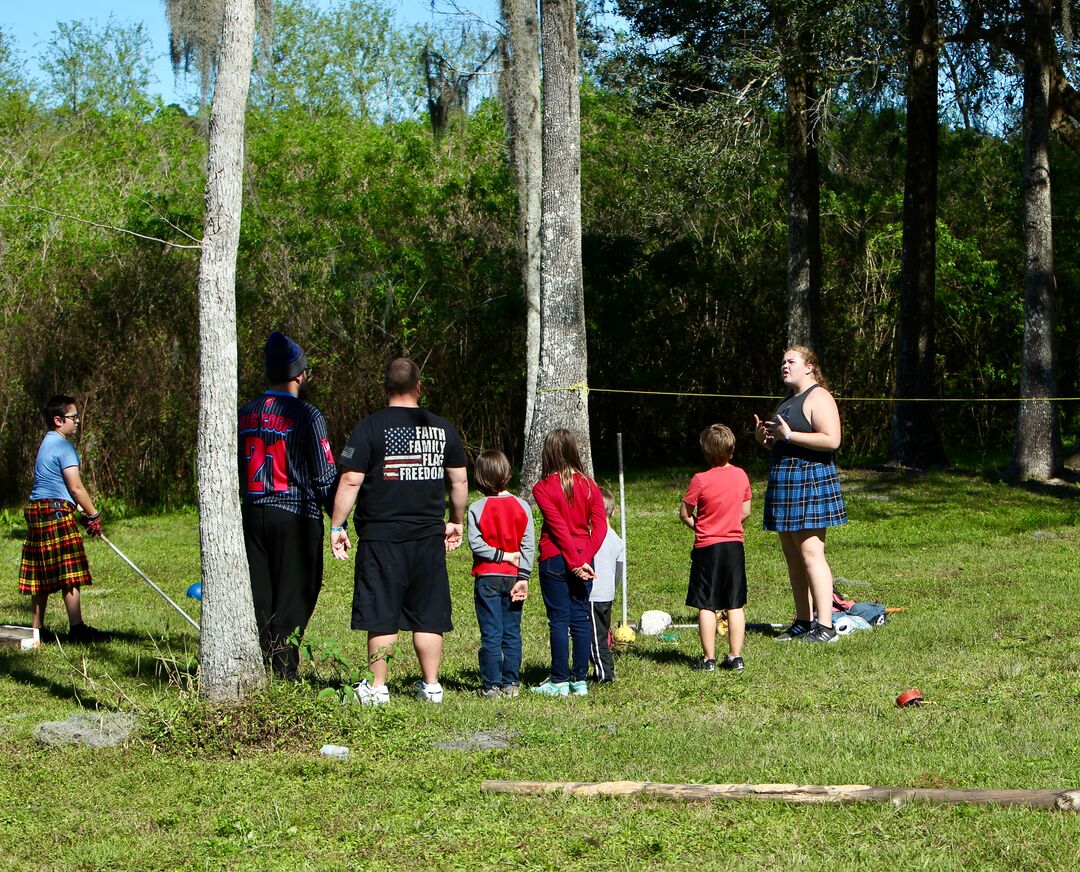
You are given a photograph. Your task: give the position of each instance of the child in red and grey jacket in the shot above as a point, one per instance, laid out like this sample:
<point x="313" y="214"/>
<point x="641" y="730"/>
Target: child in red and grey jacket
<point x="502" y="541"/>
<point x="575" y="524"/>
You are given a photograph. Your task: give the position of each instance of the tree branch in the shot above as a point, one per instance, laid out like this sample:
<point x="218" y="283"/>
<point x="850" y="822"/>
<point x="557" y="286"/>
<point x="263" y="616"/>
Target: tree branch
<point x="165" y="242"/>
<point x="1006" y="36"/>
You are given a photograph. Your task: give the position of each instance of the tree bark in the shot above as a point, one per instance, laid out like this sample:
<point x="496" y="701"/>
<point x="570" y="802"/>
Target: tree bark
<point x="804" y="220"/>
<point x="230" y="660"/>
<point x="1037" y="449"/>
<point x="521" y="105"/>
<point x="915" y="438"/>
<point x="563" y="357"/>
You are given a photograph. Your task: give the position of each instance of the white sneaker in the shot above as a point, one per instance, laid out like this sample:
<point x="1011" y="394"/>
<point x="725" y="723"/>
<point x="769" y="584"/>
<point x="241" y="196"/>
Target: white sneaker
<point x="365" y="694"/>
<point x="429" y="692"/>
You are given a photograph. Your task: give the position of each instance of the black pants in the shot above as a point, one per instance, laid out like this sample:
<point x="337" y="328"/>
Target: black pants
<point x="600" y="648"/>
<point x="285" y="557"/>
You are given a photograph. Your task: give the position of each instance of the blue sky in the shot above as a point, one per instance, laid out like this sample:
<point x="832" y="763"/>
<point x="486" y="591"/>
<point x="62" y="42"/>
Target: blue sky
<point x="30" y="24"/>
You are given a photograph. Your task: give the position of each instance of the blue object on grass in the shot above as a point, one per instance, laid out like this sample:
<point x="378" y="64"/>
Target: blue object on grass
<point x="872" y="613"/>
<point x="195" y="591"/>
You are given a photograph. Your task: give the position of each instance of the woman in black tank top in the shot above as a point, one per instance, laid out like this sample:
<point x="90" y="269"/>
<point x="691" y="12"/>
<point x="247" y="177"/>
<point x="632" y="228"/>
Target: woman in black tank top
<point x="803" y="497"/>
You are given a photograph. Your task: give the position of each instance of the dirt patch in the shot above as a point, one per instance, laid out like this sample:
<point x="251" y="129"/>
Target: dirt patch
<point x="481" y="740"/>
<point x="94" y="731"/>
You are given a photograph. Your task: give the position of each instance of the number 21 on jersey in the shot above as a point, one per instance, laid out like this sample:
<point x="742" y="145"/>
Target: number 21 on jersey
<point x="258" y="453"/>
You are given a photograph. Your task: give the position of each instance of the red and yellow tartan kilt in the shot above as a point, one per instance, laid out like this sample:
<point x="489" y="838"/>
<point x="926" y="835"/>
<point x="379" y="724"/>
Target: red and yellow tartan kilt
<point x="53" y="557"/>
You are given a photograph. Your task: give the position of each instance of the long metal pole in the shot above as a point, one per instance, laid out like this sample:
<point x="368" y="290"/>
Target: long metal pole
<point x="144" y="577"/>
<point x="622" y="523"/>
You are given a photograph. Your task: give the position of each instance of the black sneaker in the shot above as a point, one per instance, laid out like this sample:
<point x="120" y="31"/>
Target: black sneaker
<point x="84" y="634"/>
<point x="704" y="665"/>
<point x="797" y="630"/>
<point x="820" y="633"/>
<point x="733" y="664"/>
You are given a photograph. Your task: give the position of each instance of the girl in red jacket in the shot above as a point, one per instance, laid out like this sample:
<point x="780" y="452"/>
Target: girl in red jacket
<point x="574" y="528"/>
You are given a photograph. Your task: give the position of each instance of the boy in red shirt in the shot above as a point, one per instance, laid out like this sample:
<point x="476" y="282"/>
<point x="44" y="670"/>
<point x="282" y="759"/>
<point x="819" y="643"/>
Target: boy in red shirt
<point x="714" y="507"/>
<point x="503" y="541"/>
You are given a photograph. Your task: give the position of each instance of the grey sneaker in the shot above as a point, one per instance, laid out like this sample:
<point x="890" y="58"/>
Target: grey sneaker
<point x="733" y="664"/>
<point x="704" y="665"/>
<point x="820" y="634"/>
<point x="797" y="630"/>
<point x="489" y="692"/>
<point x="510" y="691"/>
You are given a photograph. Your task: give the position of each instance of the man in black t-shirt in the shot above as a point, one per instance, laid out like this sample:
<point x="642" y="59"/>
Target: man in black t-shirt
<point x="398" y="462"/>
<point x="286" y="481"/>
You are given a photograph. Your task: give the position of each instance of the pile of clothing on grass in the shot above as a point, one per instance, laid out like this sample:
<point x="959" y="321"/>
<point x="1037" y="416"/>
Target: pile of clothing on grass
<point x="850" y="616"/>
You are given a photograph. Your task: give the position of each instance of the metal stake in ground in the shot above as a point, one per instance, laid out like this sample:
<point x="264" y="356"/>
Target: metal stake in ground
<point x="144" y="577"/>
<point x="622" y="522"/>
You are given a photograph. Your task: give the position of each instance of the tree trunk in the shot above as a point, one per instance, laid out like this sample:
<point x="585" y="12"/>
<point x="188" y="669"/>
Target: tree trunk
<point x="230" y="660"/>
<point x="915" y="438"/>
<point x="804" y="221"/>
<point x="521" y="105"/>
<point x="1037" y="450"/>
<point x="562" y="363"/>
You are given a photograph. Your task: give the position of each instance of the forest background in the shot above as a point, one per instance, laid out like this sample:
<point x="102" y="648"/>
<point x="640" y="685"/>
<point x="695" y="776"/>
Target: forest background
<point x="367" y="235"/>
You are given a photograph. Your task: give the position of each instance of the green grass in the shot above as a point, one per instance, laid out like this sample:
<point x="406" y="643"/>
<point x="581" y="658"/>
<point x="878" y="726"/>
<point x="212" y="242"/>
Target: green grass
<point x="987" y="574"/>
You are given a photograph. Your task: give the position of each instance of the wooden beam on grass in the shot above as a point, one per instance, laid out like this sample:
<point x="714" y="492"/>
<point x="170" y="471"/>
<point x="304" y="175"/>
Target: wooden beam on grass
<point x="1062" y="800"/>
<point x="23" y="638"/>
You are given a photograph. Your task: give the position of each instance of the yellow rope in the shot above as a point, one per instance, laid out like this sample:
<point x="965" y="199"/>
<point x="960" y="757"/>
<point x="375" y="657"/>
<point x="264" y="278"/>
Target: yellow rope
<point x="584" y="389"/>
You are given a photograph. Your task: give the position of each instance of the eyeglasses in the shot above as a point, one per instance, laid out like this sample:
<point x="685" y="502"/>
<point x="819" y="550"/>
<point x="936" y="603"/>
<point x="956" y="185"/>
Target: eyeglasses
<point x="73" y="417"/>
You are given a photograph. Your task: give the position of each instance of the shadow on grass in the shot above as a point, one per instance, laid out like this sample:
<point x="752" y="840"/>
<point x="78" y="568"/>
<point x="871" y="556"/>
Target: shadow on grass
<point x="1047" y="489"/>
<point x="664" y="656"/>
<point x="19" y="669"/>
<point x="87" y="670"/>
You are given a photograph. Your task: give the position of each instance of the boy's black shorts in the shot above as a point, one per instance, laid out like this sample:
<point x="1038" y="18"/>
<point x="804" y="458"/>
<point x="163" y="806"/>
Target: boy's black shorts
<point x="717" y="577"/>
<point x="402" y="586"/>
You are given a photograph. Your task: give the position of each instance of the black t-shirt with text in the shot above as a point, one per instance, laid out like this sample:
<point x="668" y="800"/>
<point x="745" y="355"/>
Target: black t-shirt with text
<point x="404" y="453"/>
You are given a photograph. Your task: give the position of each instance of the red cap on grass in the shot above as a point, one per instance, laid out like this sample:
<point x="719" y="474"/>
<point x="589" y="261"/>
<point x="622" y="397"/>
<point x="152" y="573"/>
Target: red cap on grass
<point x="909" y="697"/>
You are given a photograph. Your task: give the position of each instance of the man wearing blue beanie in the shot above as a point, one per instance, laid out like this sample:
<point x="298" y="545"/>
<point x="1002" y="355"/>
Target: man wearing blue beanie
<point x="287" y="477"/>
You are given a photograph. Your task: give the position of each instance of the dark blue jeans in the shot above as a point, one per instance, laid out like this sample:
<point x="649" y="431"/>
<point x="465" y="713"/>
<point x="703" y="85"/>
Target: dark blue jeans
<point x="566" y="598"/>
<point x="500" y="630"/>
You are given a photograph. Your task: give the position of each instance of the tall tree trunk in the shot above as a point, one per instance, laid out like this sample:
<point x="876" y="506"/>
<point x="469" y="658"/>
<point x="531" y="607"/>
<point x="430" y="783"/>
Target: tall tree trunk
<point x="804" y="221"/>
<point x="230" y="660"/>
<point x="915" y="438"/>
<point x="1037" y="450"/>
<point x="521" y="104"/>
<point x="562" y="307"/>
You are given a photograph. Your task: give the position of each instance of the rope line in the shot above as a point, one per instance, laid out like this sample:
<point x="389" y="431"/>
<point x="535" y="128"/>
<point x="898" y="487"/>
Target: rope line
<point x="584" y="389"/>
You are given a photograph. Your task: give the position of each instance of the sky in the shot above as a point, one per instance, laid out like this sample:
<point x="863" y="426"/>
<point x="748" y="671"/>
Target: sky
<point x="30" y="24"/>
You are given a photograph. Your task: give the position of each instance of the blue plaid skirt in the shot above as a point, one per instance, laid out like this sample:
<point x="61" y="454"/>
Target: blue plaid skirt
<point x="803" y="495"/>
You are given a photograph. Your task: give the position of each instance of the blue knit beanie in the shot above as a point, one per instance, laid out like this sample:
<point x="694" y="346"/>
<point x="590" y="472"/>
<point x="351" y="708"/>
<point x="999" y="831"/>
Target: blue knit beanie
<point x="284" y="358"/>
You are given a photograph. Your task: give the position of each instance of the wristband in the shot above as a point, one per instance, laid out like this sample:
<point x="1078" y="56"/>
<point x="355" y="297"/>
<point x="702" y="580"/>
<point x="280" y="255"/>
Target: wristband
<point x="93" y="517"/>
<point x="334" y="529"/>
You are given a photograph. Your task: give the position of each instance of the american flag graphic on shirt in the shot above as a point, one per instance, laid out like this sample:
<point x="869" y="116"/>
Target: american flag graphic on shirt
<point x="414" y="453"/>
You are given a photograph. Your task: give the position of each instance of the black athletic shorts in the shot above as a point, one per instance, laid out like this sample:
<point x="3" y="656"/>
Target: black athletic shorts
<point x="402" y="586"/>
<point x="717" y="577"/>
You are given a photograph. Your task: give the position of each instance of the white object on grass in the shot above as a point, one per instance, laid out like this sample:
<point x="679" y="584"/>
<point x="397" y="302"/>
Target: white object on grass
<point x="654" y="622"/>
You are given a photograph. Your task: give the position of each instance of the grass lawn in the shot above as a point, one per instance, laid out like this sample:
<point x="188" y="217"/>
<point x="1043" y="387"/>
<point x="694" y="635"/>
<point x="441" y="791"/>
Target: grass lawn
<point x="986" y="571"/>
